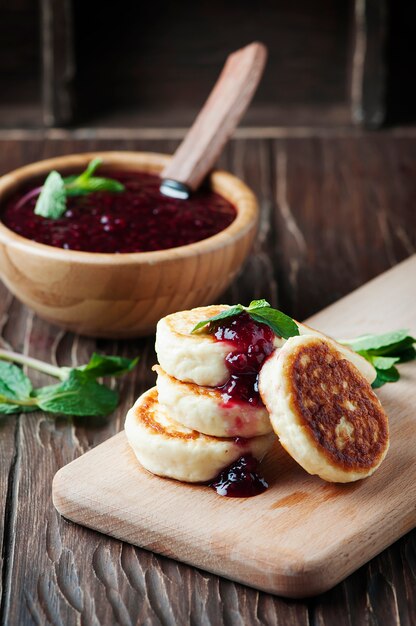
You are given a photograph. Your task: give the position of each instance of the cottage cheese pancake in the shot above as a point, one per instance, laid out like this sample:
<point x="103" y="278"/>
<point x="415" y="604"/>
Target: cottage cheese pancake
<point x="191" y="358"/>
<point x="207" y="410"/>
<point x="197" y="358"/>
<point x="323" y="410"/>
<point x="166" y="448"/>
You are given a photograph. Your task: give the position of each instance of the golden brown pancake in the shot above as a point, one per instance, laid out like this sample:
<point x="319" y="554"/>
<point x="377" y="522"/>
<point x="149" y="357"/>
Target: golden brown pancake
<point x="193" y="357"/>
<point x="324" y="411"/>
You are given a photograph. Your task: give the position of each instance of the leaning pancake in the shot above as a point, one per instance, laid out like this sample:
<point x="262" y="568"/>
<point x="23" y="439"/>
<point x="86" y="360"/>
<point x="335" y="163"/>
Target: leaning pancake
<point x="196" y="358"/>
<point x="204" y="409"/>
<point x="366" y="369"/>
<point x="323" y="410"/>
<point x="166" y="448"/>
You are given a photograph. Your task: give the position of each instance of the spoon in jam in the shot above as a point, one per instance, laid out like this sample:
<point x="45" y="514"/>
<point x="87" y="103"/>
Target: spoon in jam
<point x="215" y="123"/>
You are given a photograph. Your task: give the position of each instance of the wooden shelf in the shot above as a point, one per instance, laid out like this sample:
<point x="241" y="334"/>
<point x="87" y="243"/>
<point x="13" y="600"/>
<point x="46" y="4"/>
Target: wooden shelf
<point x="258" y="116"/>
<point x="154" y="65"/>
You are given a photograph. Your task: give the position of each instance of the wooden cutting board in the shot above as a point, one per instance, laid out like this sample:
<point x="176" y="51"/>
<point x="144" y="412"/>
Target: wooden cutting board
<point x="302" y="535"/>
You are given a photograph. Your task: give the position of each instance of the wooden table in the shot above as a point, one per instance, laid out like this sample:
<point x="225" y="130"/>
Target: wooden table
<point x="338" y="208"/>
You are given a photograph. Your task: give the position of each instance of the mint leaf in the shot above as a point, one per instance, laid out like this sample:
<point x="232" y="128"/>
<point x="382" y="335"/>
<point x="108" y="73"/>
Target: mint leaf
<point x="407" y="354"/>
<point x="15" y="390"/>
<point x="393" y="349"/>
<point x="261" y="312"/>
<point x="78" y="395"/>
<point x="231" y="312"/>
<point x="13" y="382"/>
<point x="384" y="341"/>
<point x="390" y="375"/>
<point x="384" y="351"/>
<point x="383" y="362"/>
<point x="102" y="365"/>
<point x="90" y="169"/>
<point x="87" y="183"/>
<point x="73" y="188"/>
<point x="77" y="184"/>
<point x="281" y="324"/>
<point x="51" y="202"/>
<point x="96" y="184"/>
<point x="257" y="304"/>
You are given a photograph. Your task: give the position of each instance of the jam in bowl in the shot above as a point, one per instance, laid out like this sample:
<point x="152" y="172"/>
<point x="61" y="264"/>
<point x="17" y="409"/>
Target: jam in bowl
<point x="115" y="263"/>
<point x="136" y="219"/>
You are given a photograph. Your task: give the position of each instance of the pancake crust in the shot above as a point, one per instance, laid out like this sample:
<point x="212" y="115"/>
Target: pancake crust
<point x="324" y="411"/>
<point x="148" y="412"/>
<point x="183" y="322"/>
<point x="337" y="407"/>
<point x="167" y="448"/>
<point x="364" y="367"/>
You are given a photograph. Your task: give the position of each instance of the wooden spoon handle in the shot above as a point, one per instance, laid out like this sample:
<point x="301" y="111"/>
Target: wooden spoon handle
<point x="219" y="116"/>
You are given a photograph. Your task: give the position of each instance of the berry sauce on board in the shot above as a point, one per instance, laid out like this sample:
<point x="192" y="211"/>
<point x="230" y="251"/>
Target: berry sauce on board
<point x="240" y="480"/>
<point x="138" y="219"/>
<point x="251" y="343"/>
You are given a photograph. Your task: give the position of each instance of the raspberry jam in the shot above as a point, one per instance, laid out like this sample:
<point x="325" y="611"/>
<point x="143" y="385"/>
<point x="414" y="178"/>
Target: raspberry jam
<point x="252" y="343"/>
<point x="138" y="219"/>
<point x="240" y="480"/>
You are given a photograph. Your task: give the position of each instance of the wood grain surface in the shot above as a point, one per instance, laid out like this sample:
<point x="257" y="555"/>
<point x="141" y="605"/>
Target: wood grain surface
<point x="336" y="211"/>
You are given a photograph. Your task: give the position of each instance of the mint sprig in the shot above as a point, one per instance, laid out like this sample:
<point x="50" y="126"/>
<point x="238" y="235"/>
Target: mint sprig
<point x="384" y="351"/>
<point x="51" y="202"/>
<point x="260" y="311"/>
<point x="77" y="393"/>
<point x="87" y="183"/>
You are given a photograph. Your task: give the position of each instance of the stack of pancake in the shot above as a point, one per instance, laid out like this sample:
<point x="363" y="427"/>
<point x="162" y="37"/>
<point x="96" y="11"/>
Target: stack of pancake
<point x="181" y="428"/>
<point x="317" y="395"/>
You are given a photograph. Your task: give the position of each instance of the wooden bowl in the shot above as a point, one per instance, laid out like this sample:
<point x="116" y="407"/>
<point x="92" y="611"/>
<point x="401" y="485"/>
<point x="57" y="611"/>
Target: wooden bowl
<point x="123" y="295"/>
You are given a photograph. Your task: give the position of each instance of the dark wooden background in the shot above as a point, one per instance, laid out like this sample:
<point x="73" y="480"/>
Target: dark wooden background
<point x="331" y="62"/>
<point x="337" y="209"/>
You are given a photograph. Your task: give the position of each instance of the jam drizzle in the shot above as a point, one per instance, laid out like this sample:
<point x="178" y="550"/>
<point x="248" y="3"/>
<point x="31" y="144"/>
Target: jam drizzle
<point x="252" y="343"/>
<point x="138" y="219"/>
<point x="240" y="479"/>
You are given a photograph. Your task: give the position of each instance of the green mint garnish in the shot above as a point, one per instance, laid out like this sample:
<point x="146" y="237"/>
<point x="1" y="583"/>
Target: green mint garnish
<point x="77" y="393"/>
<point x="260" y="311"/>
<point x="52" y="199"/>
<point x="51" y="202"/>
<point x="384" y="351"/>
<point x="101" y="365"/>
<point x="87" y="183"/>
